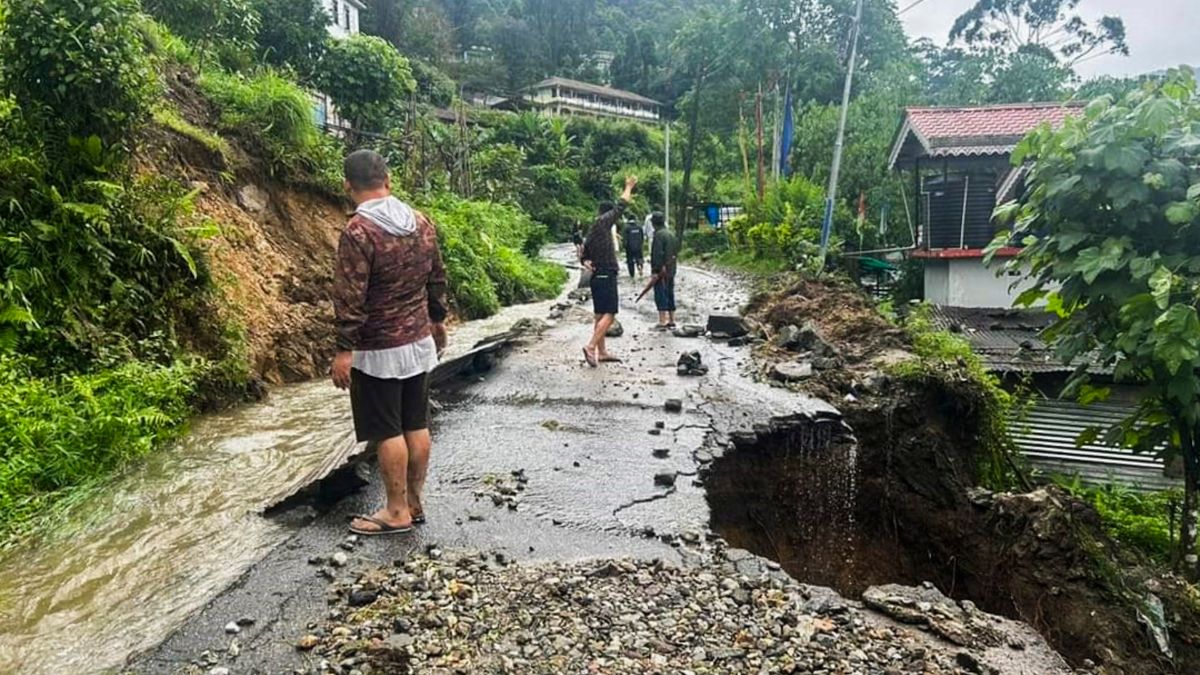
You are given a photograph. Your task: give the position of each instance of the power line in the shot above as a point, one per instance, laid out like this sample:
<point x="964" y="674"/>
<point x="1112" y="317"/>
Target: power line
<point x="911" y="5"/>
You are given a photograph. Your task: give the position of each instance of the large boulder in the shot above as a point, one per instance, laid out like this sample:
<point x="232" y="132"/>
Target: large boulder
<point x="808" y="338"/>
<point x="792" y="371"/>
<point x="727" y="326"/>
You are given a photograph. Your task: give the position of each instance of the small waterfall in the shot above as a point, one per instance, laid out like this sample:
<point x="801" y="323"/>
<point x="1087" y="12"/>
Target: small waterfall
<point x="789" y="491"/>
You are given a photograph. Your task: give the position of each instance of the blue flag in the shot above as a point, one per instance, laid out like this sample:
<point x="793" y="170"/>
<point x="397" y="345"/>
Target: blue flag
<point x="788" y="137"/>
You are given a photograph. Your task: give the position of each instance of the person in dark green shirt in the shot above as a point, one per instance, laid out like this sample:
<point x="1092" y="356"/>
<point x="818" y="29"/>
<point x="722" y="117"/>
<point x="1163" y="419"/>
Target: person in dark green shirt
<point x="664" y="254"/>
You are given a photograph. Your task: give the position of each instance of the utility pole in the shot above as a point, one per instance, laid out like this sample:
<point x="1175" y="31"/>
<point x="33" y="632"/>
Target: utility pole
<point x="667" y="180"/>
<point x="758" y="120"/>
<point x="835" y="171"/>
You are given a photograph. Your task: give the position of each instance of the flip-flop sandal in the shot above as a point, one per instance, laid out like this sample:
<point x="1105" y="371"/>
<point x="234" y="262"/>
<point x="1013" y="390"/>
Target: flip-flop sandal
<point x="419" y="518"/>
<point x="384" y="528"/>
<point x="590" y="357"/>
<point x="611" y="359"/>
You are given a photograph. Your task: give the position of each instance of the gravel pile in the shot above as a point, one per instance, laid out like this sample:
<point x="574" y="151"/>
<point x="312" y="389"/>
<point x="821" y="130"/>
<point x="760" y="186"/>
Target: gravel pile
<point x="471" y="615"/>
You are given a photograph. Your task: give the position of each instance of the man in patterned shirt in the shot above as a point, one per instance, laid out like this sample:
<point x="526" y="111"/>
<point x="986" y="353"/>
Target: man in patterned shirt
<point x="389" y="299"/>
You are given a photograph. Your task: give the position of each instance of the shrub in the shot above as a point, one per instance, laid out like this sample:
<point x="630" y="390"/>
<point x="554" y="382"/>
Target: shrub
<point x="433" y="86"/>
<point x="99" y="266"/>
<point x="482" y="245"/>
<point x="78" y="69"/>
<point x="266" y="109"/>
<point x="227" y="27"/>
<point x="59" y="433"/>
<point x="699" y="242"/>
<point x="1139" y="519"/>
<point x="785" y="224"/>
<point x="367" y="79"/>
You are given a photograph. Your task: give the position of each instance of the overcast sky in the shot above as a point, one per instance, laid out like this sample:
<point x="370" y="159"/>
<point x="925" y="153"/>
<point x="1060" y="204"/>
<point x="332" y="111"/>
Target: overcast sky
<point x="1162" y="33"/>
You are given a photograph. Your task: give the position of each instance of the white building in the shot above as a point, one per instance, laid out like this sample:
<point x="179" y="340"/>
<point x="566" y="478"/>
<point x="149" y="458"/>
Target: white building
<point x="343" y="15"/>
<point x="560" y="96"/>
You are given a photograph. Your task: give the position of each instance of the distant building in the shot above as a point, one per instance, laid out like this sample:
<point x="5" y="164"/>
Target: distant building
<point x="960" y="159"/>
<point x="343" y="15"/>
<point x="343" y="23"/>
<point x="563" y="97"/>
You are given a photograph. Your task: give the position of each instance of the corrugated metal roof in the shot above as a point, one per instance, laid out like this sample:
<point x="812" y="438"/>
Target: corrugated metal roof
<point x="1047" y="434"/>
<point x="1007" y="340"/>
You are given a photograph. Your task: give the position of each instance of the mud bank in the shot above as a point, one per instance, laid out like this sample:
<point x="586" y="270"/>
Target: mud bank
<point x="887" y="496"/>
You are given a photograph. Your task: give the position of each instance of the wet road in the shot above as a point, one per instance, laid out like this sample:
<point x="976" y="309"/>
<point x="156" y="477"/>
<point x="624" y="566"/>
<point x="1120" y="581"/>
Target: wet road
<point x="176" y="550"/>
<point x="134" y="560"/>
<point x="584" y="439"/>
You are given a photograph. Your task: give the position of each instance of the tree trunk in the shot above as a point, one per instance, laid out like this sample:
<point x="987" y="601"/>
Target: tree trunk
<point x="689" y="157"/>
<point x="1186" y="558"/>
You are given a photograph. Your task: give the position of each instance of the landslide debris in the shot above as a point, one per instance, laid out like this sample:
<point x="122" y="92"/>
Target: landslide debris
<point x="464" y="614"/>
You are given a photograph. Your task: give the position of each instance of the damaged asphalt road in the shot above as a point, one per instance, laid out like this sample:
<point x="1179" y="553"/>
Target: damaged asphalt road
<point x="590" y="443"/>
<point x="556" y="467"/>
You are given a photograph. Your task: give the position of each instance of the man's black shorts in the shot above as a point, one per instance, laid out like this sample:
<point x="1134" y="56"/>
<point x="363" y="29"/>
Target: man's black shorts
<point x="386" y="409"/>
<point x="605" y="299"/>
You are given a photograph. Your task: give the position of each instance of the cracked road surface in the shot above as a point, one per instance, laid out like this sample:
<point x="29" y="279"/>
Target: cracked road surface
<point x="586" y="440"/>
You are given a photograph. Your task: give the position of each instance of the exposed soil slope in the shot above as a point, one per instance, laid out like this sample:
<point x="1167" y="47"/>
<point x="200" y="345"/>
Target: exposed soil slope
<point x="273" y="256"/>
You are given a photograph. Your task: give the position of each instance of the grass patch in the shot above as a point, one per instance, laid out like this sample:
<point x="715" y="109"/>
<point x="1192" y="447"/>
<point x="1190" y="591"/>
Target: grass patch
<point x="749" y="263"/>
<point x="1142" y="520"/>
<point x="171" y="119"/>
<point x="58" y="435"/>
<point x="267" y="109"/>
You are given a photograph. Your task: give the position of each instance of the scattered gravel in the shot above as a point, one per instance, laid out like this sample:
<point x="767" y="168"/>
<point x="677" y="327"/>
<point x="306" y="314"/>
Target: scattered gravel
<point x="468" y="615"/>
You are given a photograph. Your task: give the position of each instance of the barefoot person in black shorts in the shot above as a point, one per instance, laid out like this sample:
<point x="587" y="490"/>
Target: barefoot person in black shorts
<point x="600" y="256"/>
<point x="389" y="297"/>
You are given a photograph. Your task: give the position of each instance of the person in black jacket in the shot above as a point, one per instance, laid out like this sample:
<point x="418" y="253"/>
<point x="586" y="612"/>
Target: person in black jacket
<point x="600" y="258"/>
<point x="635" y="242"/>
<point x="664" y="256"/>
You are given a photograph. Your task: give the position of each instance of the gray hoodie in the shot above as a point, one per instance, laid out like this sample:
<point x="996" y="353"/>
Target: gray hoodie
<point x="392" y="215"/>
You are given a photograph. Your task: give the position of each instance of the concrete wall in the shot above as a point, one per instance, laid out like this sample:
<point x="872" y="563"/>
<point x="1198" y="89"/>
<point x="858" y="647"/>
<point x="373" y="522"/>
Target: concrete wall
<point x="968" y="283"/>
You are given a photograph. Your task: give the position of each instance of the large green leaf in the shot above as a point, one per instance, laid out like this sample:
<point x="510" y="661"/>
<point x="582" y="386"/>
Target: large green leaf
<point x="1095" y="260"/>
<point x="1160" y="286"/>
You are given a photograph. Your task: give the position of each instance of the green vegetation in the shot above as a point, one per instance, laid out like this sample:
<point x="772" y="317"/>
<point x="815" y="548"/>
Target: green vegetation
<point x="77" y="70"/>
<point x="367" y="79"/>
<point x="482" y="244"/>
<point x="784" y="226"/>
<point x="171" y="119"/>
<point x="268" y="109"/>
<point x="945" y="362"/>
<point x="63" y="433"/>
<point x="1110" y="227"/>
<point x="1146" y="521"/>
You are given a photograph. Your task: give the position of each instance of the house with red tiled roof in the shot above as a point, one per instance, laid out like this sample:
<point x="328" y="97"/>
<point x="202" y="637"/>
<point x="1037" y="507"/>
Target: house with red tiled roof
<point x="960" y="163"/>
<point x="961" y="170"/>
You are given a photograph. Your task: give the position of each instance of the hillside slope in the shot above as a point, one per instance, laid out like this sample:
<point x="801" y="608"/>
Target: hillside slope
<point x="273" y="256"/>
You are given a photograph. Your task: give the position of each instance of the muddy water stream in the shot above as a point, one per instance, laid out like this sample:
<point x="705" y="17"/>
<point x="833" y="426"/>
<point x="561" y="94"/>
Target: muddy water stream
<point x="161" y="540"/>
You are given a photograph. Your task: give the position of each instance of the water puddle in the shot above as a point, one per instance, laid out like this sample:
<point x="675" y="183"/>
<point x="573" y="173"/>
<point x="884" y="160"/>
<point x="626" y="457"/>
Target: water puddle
<point x="160" y="541"/>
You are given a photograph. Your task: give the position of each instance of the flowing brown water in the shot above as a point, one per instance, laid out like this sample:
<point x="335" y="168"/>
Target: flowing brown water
<point x="164" y="538"/>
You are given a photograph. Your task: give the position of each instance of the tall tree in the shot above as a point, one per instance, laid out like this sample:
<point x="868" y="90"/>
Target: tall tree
<point x="291" y="34"/>
<point x="1050" y="27"/>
